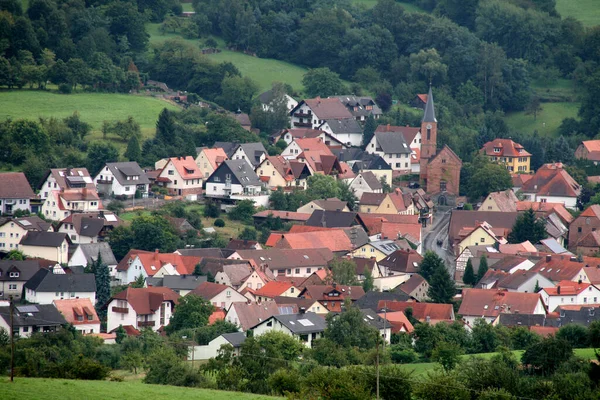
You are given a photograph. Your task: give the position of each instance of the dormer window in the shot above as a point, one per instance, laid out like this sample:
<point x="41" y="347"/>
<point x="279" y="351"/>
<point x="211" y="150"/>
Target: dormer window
<point x="496" y="149"/>
<point x="13" y="274"/>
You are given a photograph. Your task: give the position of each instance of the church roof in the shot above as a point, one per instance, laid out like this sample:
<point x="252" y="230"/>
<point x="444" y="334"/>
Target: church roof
<point x="429" y="115"/>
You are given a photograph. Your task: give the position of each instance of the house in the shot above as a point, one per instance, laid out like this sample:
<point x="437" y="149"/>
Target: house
<point x="304" y="327"/>
<point x="311" y="113"/>
<point x="276" y="171"/>
<point x="552" y="183"/>
<point x="574" y="314"/>
<point x="247" y="315"/>
<point x="511" y="264"/>
<point x="13" y="275"/>
<point x="87" y="254"/>
<point x="63" y="179"/>
<point x="45" y="286"/>
<point x="544" y="209"/>
<point x="419" y="101"/>
<point x="569" y="293"/>
<point x="508" y="153"/>
<point x="331" y="204"/>
<point x="141" y="308"/>
<point x="505" y="201"/>
<point x="31" y="318"/>
<point x="60" y="204"/>
<point x="394" y="150"/>
<point x="489" y="304"/>
<point x="338" y="241"/>
<point x="153" y="263"/>
<point x="122" y="179"/>
<point x="430" y="313"/>
<point x="181" y="225"/>
<point x="559" y="268"/>
<point x="586" y="223"/>
<point x="589" y="245"/>
<point x="80" y="313"/>
<point x="482" y="234"/>
<point x="589" y="150"/>
<point x="332" y="219"/>
<point x="285" y="216"/>
<point x="294" y="305"/>
<point x="234" y="275"/>
<point x="462" y="220"/>
<point x="208" y="160"/>
<point x="320" y="162"/>
<point x="412" y="136"/>
<point x="401" y="262"/>
<point x="381" y="324"/>
<point x="211" y="350"/>
<point x="376" y="249"/>
<point x="13" y="230"/>
<point x="332" y="296"/>
<point x="49" y="245"/>
<point x="372" y="299"/>
<point x="218" y="295"/>
<point x="518" y="180"/>
<point x="253" y="153"/>
<point x="523" y="281"/>
<point x="181" y="177"/>
<point x="243" y="244"/>
<point x="180" y="284"/>
<point x="84" y="228"/>
<point x="346" y="130"/>
<point x="15" y="192"/>
<point x="243" y="119"/>
<point x="275" y="289"/>
<point x="416" y="287"/>
<point x="288" y="262"/>
<point x="387" y="203"/>
<point x="398" y="322"/>
<point x="361" y="161"/>
<point x="267" y="98"/>
<point x="366" y="266"/>
<point x="233" y="177"/>
<point x="361" y="107"/>
<point x="365" y="182"/>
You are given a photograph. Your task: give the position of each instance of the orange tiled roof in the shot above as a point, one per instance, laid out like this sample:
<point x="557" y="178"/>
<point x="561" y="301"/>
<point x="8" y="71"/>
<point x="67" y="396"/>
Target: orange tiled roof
<point x="215" y="156"/>
<point x="273" y="289"/>
<point x="507" y="147"/>
<point x="398" y="320"/>
<point x="186" y="167"/>
<point x="566" y="288"/>
<point x="552" y="180"/>
<point x="334" y="239"/>
<point x="490" y="303"/>
<point x="73" y="309"/>
<point x="147" y="300"/>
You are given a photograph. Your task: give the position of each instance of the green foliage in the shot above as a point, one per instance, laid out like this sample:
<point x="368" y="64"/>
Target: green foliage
<point x="343" y="271"/>
<point x="243" y="211"/>
<point x="249" y="233"/>
<point x="483" y="267"/>
<point x="402" y="354"/>
<point x="322" y="82"/>
<point x="369" y="131"/>
<point x="469" y="277"/>
<point x="441" y="286"/>
<point x="100" y="153"/>
<point x="121" y="334"/>
<point x="368" y="282"/>
<point x="575" y="335"/>
<point x="484" y="337"/>
<point x="528" y="227"/>
<point x="349" y="329"/>
<point x="430" y="264"/>
<point x="546" y="356"/>
<point x="447" y="354"/>
<point x="165" y="368"/>
<point x="219" y="223"/>
<point x="484" y="177"/>
<point x="211" y="209"/>
<point x="191" y="312"/>
<point x="334" y="383"/>
<point x="441" y="386"/>
<point x="205" y="334"/>
<point x="15" y="255"/>
<point x="102" y="275"/>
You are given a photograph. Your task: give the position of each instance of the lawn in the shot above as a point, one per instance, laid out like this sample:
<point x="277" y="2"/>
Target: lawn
<point x="372" y="3"/>
<point x="187" y="7"/>
<point x="548" y="120"/>
<point x="587" y="11"/>
<point x="62" y="389"/>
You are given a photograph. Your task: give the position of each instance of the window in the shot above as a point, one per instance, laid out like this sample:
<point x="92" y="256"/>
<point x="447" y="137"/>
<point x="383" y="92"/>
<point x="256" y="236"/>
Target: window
<point x="482" y="240"/>
<point x="292" y="290"/>
<point x="297" y="270"/>
<point x="13" y="274"/>
<point x="171" y="172"/>
<point x="443" y="161"/>
<point x="579" y="230"/>
<point x="25" y="329"/>
<point x="308" y="270"/>
<point x="443" y="186"/>
<point x="90" y="317"/>
<point x="12" y="287"/>
<point x="175" y="182"/>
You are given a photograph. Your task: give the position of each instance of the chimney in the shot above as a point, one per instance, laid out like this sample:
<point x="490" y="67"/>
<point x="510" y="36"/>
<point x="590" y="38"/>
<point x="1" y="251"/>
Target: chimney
<point x="334" y="285"/>
<point x="302" y="310"/>
<point x="155" y="251"/>
<point x="101" y="214"/>
<point x="397" y="191"/>
<point x="427" y="319"/>
<point x="558" y="289"/>
<point x="548" y="257"/>
<point x="68" y="173"/>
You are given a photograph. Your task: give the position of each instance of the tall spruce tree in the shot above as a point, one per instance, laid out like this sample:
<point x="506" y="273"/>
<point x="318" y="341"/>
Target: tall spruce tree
<point x="441" y="287"/>
<point x="430" y="264"/>
<point x="370" y="127"/>
<point x="469" y="277"/>
<point x="528" y="227"/>
<point x="102" y="275"/>
<point x="133" y="152"/>
<point x="165" y="127"/>
<point x="483" y="267"/>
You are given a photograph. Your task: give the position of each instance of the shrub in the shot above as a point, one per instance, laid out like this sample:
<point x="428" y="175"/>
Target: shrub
<point x="285" y="381"/>
<point x="219" y="223"/>
<point x="402" y="355"/>
<point x="65" y="88"/>
<point x="86" y="368"/>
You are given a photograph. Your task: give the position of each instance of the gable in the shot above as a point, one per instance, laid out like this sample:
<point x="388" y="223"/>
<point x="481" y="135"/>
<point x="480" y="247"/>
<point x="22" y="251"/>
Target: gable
<point x="220" y="175"/>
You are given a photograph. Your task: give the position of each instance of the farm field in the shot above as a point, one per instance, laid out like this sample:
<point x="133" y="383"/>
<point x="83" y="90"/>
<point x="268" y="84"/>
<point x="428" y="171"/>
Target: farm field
<point x="548" y="120"/>
<point x="587" y="11"/>
<point x="63" y="389"/>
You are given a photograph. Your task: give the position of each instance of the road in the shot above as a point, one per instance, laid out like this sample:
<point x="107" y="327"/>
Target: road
<point x="439" y="231"/>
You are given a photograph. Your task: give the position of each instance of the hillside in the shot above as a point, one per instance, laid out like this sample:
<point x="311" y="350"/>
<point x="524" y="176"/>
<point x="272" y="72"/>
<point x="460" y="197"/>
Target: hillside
<point x="587" y="11"/>
<point x="51" y="389"/>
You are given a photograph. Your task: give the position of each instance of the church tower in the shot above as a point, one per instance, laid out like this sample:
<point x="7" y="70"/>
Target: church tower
<point x="429" y="129"/>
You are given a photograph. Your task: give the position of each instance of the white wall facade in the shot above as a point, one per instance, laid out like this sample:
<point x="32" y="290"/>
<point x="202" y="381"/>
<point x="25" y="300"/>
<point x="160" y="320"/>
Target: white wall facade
<point x="133" y="272"/>
<point x="226" y="297"/>
<point x="569" y="202"/>
<point x="33" y="296"/>
<point x="154" y="321"/>
<point x="279" y="327"/>
<point x="116" y="188"/>
<point x="9" y="206"/>
<point x="59" y="254"/>
<point x="11" y="234"/>
<point x="350" y="139"/>
<point x="590" y="295"/>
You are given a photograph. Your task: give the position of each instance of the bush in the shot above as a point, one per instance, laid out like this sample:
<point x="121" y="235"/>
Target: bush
<point x="219" y="223"/>
<point x="65" y="88"/>
<point x="212" y="210"/>
<point x="285" y="381"/>
<point x="402" y="355"/>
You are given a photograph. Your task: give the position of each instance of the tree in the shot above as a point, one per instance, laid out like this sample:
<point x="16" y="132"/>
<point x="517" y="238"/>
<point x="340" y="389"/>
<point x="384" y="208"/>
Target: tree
<point x="249" y="233"/>
<point x="207" y="333"/>
<point x="370" y="127"/>
<point x="441" y="386"/>
<point x="469" y="275"/>
<point x="237" y="93"/>
<point x="121" y="334"/>
<point x="368" y="282"/>
<point x="102" y="276"/>
<point x="133" y="152"/>
<point x="99" y="154"/>
<point x="322" y="187"/>
<point x="349" y="329"/>
<point x="576" y="335"/>
<point x="322" y="82"/>
<point x="534" y="107"/>
<point x="441" y="287"/>
<point x="447" y="354"/>
<point x="15" y="255"/>
<point x="430" y="264"/>
<point x="484" y="337"/>
<point x="191" y="312"/>
<point x="486" y="177"/>
<point x="546" y="356"/>
<point x="483" y="267"/>
<point x="243" y="211"/>
<point x="343" y="271"/>
<point x="528" y="227"/>
<point x="126" y="129"/>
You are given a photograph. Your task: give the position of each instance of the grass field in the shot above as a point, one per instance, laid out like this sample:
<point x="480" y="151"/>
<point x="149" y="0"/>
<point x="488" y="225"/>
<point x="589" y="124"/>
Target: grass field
<point x="93" y="108"/>
<point x="187" y="7"/>
<point x="372" y="3"/>
<point x="548" y="120"/>
<point x="561" y="90"/>
<point x="587" y="11"/>
<point x="62" y="389"/>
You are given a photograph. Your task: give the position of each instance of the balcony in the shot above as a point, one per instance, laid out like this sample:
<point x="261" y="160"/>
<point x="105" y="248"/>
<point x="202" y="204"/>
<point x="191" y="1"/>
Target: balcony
<point x="303" y="124"/>
<point x="122" y="310"/>
<point x="144" y="324"/>
<point x="104" y="181"/>
<point x="302" y="115"/>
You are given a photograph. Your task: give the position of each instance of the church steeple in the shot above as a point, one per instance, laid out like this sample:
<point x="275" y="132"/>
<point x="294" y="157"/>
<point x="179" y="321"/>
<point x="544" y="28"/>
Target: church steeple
<point x="429" y="115"/>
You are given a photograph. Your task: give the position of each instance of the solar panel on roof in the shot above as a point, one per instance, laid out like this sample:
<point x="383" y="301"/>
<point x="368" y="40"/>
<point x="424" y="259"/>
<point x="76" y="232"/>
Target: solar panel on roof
<point x="27" y="309"/>
<point x="25" y="222"/>
<point x="305" y="322"/>
<point x="110" y="217"/>
<point x="87" y="179"/>
<point x="286" y="310"/>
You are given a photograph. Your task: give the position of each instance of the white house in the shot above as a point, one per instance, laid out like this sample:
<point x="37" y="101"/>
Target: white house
<point x="393" y="149"/>
<point x="209" y="159"/>
<point x="266" y="100"/>
<point x="304" y="327"/>
<point x="141" y="308"/>
<point x="253" y="153"/>
<point x="80" y="313"/>
<point x="211" y="350"/>
<point x="86" y="254"/>
<point x="346" y="130"/>
<point x="570" y="293"/>
<point x="552" y="184"/>
<point x="231" y="178"/>
<point x="60" y="204"/>
<point x="182" y="177"/>
<point x="246" y="315"/>
<point x="311" y="113"/>
<point x="489" y="304"/>
<point x="13" y="230"/>
<point x="31" y="318"/>
<point x="52" y="246"/>
<point x="121" y="179"/>
<point x="365" y="182"/>
<point x="62" y="179"/>
<point x="15" y="192"/>
<point x="218" y="295"/>
<point x="48" y="285"/>
<point x="524" y="281"/>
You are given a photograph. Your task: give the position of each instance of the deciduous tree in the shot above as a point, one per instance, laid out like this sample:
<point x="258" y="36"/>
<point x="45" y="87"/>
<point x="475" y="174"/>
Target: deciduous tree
<point x="192" y="311"/>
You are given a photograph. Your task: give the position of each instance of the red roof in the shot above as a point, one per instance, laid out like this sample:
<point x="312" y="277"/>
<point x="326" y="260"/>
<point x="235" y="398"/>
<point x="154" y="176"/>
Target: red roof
<point x="519" y="180"/>
<point x="333" y="239"/>
<point x="208" y="290"/>
<point x="591" y="211"/>
<point x="546" y="209"/>
<point x="593" y="149"/>
<point x="566" y="288"/>
<point x="544" y="330"/>
<point x="328" y="108"/>
<point x="490" y="303"/>
<point x="506" y="147"/>
<point x="398" y="320"/>
<point x="552" y="180"/>
<point x="216" y="316"/>
<point x="129" y="330"/>
<point x="215" y="156"/>
<point x="284" y="215"/>
<point x="77" y="311"/>
<point x="14" y="185"/>
<point x="558" y="267"/>
<point x="392" y="231"/>
<point x="308" y="228"/>
<point x="154" y="261"/>
<point x="273" y="289"/>
<point x="186" y="167"/>
<point x="147" y="300"/>
<point x="313" y="144"/>
<point x="421" y="311"/>
<point x="373" y="222"/>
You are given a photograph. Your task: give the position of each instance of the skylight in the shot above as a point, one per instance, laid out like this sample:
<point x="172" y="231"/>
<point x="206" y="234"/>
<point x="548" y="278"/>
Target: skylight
<point x="305" y="322"/>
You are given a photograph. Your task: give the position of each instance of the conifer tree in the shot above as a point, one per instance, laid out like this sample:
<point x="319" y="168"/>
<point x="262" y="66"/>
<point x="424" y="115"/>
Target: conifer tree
<point x="133" y="152"/>
<point x="441" y="287"/>
<point x="370" y="127"/>
<point x="102" y="276"/>
<point x="469" y="275"/>
<point x="483" y="267"/>
<point x="528" y="227"/>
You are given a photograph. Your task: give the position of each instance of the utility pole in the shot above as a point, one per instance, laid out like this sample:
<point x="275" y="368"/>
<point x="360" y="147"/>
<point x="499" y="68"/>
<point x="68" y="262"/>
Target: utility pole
<point x="377" y="365"/>
<point x="12" y="341"/>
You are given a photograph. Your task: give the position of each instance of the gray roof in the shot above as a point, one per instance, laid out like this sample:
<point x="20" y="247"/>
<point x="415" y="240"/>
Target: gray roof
<point x="26" y="269"/>
<point x="254" y="151"/>
<point x="554" y="246"/>
<point x="243" y="172"/>
<point x="385" y="246"/>
<point x="346" y="125"/>
<point x="89" y="226"/>
<point x="361" y="102"/>
<point x="46" y="281"/>
<point x="91" y="250"/>
<point x="34" y="315"/>
<point x="228" y="147"/>
<point x="371" y="180"/>
<point x="177" y="282"/>
<point x="371" y="299"/>
<point x="429" y="114"/>
<point x="522" y="319"/>
<point x="43" y="239"/>
<point x="584" y="316"/>
<point x="237" y="273"/>
<point x="302" y="323"/>
<point x="374" y="320"/>
<point x="392" y="143"/>
<point x="236" y="338"/>
<point x="332" y="219"/>
<point x="121" y="170"/>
